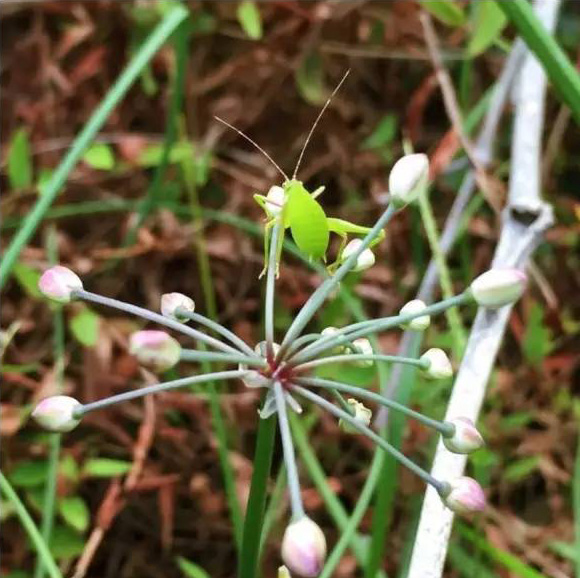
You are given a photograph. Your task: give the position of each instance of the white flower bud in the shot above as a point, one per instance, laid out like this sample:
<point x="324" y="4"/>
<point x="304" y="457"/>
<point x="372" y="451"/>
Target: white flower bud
<point x="364" y="261"/>
<point x="465" y="438"/>
<point x="155" y="349"/>
<point x="171" y="302"/>
<point x="465" y="496"/>
<point x="419" y="323"/>
<point x="275" y="200"/>
<point x="361" y="414"/>
<point x="56" y="413"/>
<point x="58" y="283"/>
<point x="304" y="548"/>
<point x="439" y="364"/>
<point x="262" y="349"/>
<point x="283" y="572"/>
<point x="330" y="332"/>
<point x="498" y="287"/>
<point x="408" y="178"/>
<point x="363" y="346"/>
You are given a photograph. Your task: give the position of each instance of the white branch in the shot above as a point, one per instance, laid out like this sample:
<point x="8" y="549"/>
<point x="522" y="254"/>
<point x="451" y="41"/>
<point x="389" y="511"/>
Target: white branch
<point x="517" y="242"/>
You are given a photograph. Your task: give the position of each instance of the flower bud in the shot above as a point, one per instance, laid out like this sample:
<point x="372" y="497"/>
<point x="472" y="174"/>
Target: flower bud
<point x="331" y="332"/>
<point x="304" y="548"/>
<point x="464" y="496"/>
<point x="419" y="323"/>
<point x="262" y="349"/>
<point x="408" y="178"/>
<point x="439" y="364"/>
<point x="360" y="413"/>
<point x="56" y="413"/>
<point x="498" y="287"/>
<point x="465" y="438"/>
<point x="275" y="200"/>
<point x="155" y="349"/>
<point x="58" y="283"/>
<point x="254" y="378"/>
<point x="364" y="261"/>
<point x="283" y="572"/>
<point x="171" y="302"/>
<point x="363" y="346"/>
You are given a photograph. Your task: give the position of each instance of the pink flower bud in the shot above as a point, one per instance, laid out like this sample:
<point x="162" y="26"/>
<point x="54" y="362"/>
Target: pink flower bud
<point x="465" y="496"/>
<point x="155" y="349"/>
<point x="171" y="302"/>
<point x="304" y="548"/>
<point x="58" y="283"/>
<point x="439" y="365"/>
<point x="498" y="287"/>
<point x="364" y="261"/>
<point x="56" y="413"/>
<point x="465" y="439"/>
<point x="408" y="178"/>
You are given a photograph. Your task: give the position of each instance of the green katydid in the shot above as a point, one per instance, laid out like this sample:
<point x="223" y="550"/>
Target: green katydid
<point x="294" y="207"/>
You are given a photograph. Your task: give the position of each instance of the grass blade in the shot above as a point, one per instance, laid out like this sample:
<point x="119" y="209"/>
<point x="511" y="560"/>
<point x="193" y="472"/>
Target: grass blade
<point x="557" y="65"/>
<point x="30" y="527"/>
<point x="166" y="27"/>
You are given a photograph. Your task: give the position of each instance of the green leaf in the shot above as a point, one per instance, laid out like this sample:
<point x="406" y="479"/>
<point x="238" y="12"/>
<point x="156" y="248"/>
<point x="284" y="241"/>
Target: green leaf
<point x="180" y="152"/>
<point x="100" y="156"/>
<point x="383" y="134"/>
<point x="488" y="23"/>
<point x="447" y="11"/>
<point x="69" y="468"/>
<point x="19" y="161"/>
<point x="74" y="512"/>
<point x="65" y="543"/>
<point x="29" y="474"/>
<point x="105" y="467"/>
<point x="28" y="278"/>
<point x="520" y="469"/>
<point x="84" y="325"/>
<point x="250" y="19"/>
<point x="310" y="79"/>
<point x="190" y="569"/>
<point x="307" y="222"/>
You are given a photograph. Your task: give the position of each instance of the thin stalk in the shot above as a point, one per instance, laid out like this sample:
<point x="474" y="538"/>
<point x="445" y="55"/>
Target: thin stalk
<point x="155" y="317"/>
<point x="195" y="355"/>
<point x="341" y="401"/>
<point x="274" y="509"/>
<point x="444" y="428"/>
<point x="217" y="328"/>
<point x="49" y="499"/>
<point x="157" y="388"/>
<point x="28" y="524"/>
<point x="357" y="357"/>
<point x="172" y="19"/>
<point x="289" y="456"/>
<point x="317" y="298"/>
<point x="364" y="328"/>
<point x="270" y="284"/>
<point x="377" y="439"/>
<point x="257" y="499"/>
<point x="453" y="317"/>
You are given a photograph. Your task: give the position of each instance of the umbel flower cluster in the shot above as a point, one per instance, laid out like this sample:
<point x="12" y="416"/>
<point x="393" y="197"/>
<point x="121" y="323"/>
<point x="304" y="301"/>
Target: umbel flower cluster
<point x="287" y="371"/>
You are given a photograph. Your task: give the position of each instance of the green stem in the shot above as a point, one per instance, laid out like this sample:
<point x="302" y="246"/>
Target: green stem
<point x="289" y="455"/>
<point x="317" y="298"/>
<point x="197" y="355"/>
<point x="257" y="499"/>
<point x="166" y="27"/>
<point x="270" y="286"/>
<point x="30" y="527"/>
<point x="397" y="454"/>
<point x="452" y="314"/>
<point x="446" y="429"/>
<point x="354" y="357"/>
<point x="157" y="388"/>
